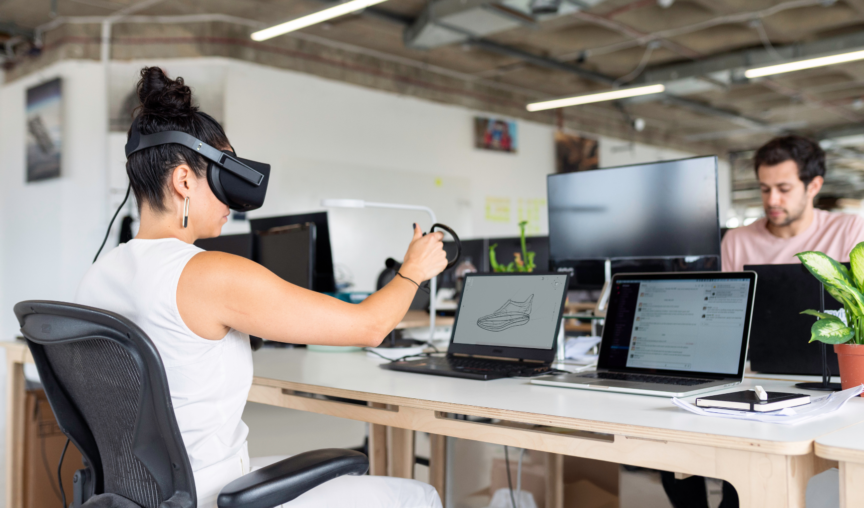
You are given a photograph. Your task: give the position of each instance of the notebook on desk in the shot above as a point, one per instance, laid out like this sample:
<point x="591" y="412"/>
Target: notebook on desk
<point x="506" y="325"/>
<point x="671" y="334"/>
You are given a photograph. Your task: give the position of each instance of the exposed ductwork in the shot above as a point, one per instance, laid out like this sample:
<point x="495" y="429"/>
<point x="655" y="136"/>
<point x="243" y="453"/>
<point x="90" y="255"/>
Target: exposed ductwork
<point x="454" y="21"/>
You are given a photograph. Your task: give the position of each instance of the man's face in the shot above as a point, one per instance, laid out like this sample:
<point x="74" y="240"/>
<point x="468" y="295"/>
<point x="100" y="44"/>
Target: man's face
<point x="784" y="195"/>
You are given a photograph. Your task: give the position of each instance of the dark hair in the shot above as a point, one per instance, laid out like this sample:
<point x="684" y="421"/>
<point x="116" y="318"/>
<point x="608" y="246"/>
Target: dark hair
<point x="806" y="153"/>
<point x="166" y="105"/>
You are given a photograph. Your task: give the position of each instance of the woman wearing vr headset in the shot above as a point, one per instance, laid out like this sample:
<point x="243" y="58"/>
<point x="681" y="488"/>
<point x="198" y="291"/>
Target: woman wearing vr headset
<point x="199" y="308"/>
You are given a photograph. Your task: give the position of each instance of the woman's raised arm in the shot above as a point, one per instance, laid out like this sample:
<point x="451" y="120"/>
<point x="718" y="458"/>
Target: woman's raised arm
<point x="219" y="291"/>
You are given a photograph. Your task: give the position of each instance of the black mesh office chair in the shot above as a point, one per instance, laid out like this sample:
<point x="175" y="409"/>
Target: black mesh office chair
<point x="107" y="387"/>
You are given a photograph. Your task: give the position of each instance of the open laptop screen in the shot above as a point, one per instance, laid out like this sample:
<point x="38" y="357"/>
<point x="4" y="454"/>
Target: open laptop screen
<point x="510" y="310"/>
<point x="676" y="323"/>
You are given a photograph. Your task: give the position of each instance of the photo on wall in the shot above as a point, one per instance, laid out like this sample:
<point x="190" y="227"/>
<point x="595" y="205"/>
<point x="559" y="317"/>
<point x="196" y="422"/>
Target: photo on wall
<point x="575" y="153"/>
<point x="44" y="130"/>
<point x="495" y="134"/>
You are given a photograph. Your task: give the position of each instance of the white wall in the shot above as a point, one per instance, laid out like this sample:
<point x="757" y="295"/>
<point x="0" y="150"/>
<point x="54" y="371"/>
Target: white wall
<point x="50" y="230"/>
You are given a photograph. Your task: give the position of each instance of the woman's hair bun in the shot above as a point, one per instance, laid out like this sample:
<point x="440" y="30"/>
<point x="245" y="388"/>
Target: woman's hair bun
<point x="163" y="96"/>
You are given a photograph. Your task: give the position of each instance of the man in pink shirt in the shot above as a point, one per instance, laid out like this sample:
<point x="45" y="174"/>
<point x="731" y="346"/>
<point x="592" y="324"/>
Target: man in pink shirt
<point x="791" y="172"/>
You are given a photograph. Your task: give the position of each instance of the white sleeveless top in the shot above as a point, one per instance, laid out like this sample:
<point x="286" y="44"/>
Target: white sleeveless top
<point x="209" y="380"/>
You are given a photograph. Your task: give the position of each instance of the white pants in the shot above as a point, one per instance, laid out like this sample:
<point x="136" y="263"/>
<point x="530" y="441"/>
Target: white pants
<point x="343" y="492"/>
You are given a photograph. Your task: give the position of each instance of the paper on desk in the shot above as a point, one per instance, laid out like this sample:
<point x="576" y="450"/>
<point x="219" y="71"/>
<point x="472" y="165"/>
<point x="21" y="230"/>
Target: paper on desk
<point x="576" y="347"/>
<point x="818" y="407"/>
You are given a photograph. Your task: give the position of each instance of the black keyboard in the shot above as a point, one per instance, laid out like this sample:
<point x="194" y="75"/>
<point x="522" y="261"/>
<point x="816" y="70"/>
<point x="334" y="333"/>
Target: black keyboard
<point x="498" y="367"/>
<point x="647" y="378"/>
<point x="472" y="368"/>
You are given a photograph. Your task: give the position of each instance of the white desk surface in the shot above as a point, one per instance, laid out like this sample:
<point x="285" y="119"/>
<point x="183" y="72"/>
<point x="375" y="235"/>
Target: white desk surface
<point x="632" y="415"/>
<point x="843" y="445"/>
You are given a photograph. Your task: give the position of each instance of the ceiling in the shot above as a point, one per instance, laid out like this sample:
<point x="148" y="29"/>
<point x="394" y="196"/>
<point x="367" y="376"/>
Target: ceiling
<point x="698" y="47"/>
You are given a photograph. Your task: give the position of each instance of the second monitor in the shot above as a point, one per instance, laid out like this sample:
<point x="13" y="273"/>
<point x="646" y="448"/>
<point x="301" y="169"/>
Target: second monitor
<point x="644" y="214"/>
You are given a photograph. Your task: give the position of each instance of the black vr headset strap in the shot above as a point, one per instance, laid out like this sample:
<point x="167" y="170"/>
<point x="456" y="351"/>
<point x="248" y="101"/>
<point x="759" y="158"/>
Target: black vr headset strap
<point x="224" y="160"/>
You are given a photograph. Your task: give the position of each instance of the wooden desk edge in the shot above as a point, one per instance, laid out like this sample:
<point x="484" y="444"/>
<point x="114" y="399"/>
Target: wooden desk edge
<point x="685" y="437"/>
<point x="838" y="453"/>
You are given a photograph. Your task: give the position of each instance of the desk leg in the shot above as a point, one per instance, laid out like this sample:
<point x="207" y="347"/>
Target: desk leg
<point x="15" y="420"/>
<point x="554" y="480"/>
<point x="765" y="480"/>
<point x="377" y="446"/>
<point x="438" y="463"/>
<point x="400" y="453"/>
<point x="851" y="490"/>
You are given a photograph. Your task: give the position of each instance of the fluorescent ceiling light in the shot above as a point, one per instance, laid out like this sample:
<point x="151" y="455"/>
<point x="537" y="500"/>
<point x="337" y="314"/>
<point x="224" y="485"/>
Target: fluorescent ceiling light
<point x="804" y="64"/>
<point x="314" y="18"/>
<point x="611" y="95"/>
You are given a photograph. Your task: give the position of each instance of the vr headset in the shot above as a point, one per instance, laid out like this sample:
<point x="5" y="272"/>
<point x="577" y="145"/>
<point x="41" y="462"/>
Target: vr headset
<point x="239" y="183"/>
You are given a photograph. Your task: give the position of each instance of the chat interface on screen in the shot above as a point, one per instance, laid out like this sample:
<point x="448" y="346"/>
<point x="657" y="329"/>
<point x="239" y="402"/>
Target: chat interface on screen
<point x="686" y="325"/>
<point x="510" y="310"/>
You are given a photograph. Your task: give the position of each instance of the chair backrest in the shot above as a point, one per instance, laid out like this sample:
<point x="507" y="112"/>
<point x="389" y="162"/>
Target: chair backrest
<point x="107" y="387"/>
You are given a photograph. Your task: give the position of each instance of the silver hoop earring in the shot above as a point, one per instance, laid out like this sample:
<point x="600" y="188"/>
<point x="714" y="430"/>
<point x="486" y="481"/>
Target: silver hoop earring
<point x="186" y="212"/>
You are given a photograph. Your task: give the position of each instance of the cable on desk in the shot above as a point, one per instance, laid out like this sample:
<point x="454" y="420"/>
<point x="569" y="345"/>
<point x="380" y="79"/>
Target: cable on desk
<point x="391" y="360"/>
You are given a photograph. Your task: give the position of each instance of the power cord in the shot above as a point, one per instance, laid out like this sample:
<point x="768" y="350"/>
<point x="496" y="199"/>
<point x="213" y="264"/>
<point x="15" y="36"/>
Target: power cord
<point x="44" y="453"/>
<point x="112" y="222"/>
<point x="60" y="472"/>
<point x="509" y="480"/>
<point x="391" y="360"/>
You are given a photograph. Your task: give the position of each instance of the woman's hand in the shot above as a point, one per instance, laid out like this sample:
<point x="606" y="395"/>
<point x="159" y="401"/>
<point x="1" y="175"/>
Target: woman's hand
<point x="425" y="257"/>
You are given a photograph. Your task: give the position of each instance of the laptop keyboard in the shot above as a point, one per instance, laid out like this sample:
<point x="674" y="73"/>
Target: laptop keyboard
<point x="647" y="378"/>
<point x="481" y="366"/>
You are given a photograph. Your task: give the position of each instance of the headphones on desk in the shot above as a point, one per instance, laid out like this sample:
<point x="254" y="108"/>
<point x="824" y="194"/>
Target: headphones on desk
<point x="241" y="184"/>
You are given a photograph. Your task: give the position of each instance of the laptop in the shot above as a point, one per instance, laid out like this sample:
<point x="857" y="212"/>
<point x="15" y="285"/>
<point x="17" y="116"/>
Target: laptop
<point x="506" y="325"/>
<point x="671" y="335"/>
<point x="780" y="337"/>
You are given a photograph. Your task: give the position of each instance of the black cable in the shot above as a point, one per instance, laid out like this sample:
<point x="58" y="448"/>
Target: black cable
<point x="42" y="447"/>
<point x="509" y="481"/>
<point x="60" y="472"/>
<point x="112" y="222"/>
<point x="376" y="353"/>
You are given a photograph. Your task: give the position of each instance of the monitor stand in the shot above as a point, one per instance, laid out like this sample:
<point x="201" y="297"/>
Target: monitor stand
<point x="826" y="384"/>
<point x="606" y="292"/>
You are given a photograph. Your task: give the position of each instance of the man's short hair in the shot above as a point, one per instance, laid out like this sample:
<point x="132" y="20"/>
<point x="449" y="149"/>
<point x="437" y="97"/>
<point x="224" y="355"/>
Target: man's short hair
<point x="806" y="153"/>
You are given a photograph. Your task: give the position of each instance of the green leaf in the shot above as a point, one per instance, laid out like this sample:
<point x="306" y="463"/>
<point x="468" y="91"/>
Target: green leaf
<point x="831" y="332"/>
<point x="821" y="315"/>
<point x="856" y="259"/>
<point x="835" y="278"/>
<point x="493" y="261"/>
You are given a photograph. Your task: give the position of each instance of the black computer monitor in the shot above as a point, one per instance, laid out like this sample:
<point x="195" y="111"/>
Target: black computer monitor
<point x="323" y="279"/>
<point x="289" y="252"/>
<point x="507" y="247"/>
<point x="647" y="217"/>
<point x="779" y="333"/>
<point x="240" y="245"/>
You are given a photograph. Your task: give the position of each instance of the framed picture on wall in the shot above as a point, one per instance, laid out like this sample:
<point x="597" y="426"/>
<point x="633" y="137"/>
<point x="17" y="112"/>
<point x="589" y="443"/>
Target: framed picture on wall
<point x="495" y="134"/>
<point x="575" y="153"/>
<point x="44" y="130"/>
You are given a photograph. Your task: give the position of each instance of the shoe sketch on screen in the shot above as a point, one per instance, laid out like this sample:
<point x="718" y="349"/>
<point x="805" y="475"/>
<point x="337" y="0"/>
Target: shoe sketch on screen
<point x="507" y="316"/>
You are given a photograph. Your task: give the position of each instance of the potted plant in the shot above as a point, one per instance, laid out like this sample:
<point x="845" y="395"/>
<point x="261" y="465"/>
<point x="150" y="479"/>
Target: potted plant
<point x="847" y="287"/>
<point x="522" y="261"/>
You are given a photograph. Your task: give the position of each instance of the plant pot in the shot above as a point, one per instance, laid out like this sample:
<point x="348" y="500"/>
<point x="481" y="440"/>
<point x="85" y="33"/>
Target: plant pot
<point x="851" y="358"/>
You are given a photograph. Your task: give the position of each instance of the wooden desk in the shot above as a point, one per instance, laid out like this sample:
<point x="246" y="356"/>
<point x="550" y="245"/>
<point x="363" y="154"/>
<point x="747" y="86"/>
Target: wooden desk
<point x="420" y="318"/>
<point x="846" y="446"/>
<point x="769" y="465"/>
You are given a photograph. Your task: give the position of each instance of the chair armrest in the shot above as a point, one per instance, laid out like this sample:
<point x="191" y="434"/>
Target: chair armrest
<point x="287" y="479"/>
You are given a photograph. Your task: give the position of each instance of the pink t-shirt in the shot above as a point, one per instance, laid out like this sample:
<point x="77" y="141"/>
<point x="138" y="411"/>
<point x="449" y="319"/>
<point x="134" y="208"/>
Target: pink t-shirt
<point x="835" y="234"/>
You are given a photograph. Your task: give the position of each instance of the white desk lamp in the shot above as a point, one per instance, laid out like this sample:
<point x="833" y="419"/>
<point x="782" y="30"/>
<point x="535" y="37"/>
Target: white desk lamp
<point x="359" y="203"/>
